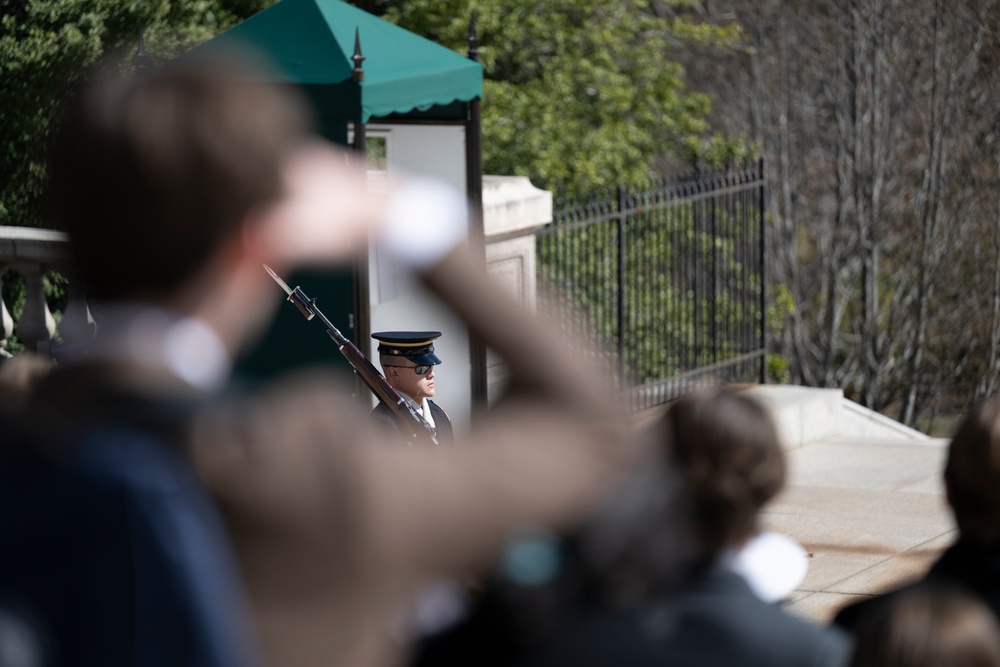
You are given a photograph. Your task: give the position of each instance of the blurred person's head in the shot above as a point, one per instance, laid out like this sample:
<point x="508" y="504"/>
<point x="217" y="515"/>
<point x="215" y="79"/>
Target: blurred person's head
<point x="727" y="450"/>
<point x="177" y="184"/>
<point x="716" y="460"/>
<point x="972" y="474"/>
<point x="927" y="625"/>
<point x="713" y="460"/>
<point x="151" y="174"/>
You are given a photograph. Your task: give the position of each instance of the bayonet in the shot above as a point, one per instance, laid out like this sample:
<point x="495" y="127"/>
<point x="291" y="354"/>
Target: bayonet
<point x="410" y="421"/>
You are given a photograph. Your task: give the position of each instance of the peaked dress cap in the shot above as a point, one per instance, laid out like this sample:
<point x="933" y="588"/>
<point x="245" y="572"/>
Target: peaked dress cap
<point x="417" y="346"/>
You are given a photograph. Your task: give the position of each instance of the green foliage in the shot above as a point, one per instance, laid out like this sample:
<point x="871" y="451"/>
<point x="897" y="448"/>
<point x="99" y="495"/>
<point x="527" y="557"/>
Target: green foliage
<point x="777" y="368"/>
<point x="45" y="46"/>
<point x="580" y="94"/>
<point x="780" y="307"/>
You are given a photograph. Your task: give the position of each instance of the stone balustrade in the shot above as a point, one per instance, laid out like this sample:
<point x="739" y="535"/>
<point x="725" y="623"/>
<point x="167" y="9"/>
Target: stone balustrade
<point x="33" y="253"/>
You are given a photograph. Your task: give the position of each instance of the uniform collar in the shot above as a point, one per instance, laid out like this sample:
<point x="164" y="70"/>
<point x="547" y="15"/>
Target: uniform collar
<point x="423" y="408"/>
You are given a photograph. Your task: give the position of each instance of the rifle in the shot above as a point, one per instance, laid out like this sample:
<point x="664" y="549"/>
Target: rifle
<point x="411" y="423"/>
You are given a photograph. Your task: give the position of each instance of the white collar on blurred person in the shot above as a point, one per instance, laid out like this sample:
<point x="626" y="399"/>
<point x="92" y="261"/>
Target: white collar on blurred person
<point x="772" y="564"/>
<point x="184" y="346"/>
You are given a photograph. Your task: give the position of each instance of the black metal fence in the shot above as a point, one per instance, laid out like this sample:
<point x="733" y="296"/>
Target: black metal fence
<point x="669" y="278"/>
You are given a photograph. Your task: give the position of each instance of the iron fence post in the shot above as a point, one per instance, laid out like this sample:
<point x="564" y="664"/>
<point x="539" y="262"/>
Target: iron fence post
<point x="622" y="223"/>
<point x="713" y="280"/>
<point x="763" y="272"/>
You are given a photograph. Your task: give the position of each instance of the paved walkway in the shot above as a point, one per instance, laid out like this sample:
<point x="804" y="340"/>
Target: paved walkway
<point x="865" y="498"/>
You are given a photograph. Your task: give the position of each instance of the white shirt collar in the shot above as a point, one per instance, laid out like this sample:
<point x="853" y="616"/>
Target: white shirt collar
<point x="772" y="564"/>
<point x="423" y="408"/>
<point x="187" y="347"/>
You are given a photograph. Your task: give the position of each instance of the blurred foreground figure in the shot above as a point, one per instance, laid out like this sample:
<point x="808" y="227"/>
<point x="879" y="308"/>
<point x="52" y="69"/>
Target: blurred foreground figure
<point x="151" y="517"/>
<point x="972" y="486"/>
<point x="929" y="624"/>
<point x="650" y="581"/>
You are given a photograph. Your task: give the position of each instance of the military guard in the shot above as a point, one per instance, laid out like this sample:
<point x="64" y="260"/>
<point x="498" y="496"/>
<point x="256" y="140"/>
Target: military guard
<point x="408" y="362"/>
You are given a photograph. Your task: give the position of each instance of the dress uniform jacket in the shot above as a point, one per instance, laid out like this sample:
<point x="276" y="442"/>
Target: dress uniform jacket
<point x="442" y="422"/>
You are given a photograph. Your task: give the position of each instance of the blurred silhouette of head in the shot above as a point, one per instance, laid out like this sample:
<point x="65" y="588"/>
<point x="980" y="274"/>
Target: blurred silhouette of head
<point x="717" y="461"/>
<point x="728" y="453"/>
<point x="972" y="474"/>
<point x="927" y="625"/>
<point x="150" y="173"/>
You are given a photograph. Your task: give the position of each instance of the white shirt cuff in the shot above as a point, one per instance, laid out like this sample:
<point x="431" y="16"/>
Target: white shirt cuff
<point x="426" y="219"/>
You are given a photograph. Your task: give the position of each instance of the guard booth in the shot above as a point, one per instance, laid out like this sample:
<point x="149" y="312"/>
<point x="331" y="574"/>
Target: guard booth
<point x="410" y="104"/>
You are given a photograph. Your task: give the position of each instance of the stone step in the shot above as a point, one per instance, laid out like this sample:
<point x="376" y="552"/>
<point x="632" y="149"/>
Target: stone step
<point x="807" y="414"/>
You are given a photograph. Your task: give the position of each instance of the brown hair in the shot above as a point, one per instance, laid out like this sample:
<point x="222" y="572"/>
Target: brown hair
<point x="972" y="473"/>
<point x="727" y="449"/>
<point x="149" y="173"/>
<point x="927" y="625"/>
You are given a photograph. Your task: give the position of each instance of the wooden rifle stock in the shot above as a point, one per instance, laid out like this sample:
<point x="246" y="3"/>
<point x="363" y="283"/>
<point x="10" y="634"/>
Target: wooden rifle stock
<point x="411" y="423"/>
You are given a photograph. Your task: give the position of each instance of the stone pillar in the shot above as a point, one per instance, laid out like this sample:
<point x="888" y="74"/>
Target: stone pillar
<point x="513" y="210"/>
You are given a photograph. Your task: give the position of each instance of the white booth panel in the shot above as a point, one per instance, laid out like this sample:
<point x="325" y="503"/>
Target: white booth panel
<point x="397" y="301"/>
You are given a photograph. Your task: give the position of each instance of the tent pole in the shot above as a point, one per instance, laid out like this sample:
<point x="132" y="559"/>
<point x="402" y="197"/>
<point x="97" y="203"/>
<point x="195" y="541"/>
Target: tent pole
<point x="477" y="236"/>
<point x="362" y="290"/>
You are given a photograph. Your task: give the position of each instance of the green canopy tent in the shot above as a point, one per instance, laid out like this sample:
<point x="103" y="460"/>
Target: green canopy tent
<point x="314" y="43"/>
<point x="357" y="68"/>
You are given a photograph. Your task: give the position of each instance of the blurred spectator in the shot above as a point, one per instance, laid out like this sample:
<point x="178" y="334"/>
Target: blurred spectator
<point x="651" y="579"/>
<point x="927" y="625"/>
<point x="19" y="375"/>
<point x="972" y="487"/>
<point x="151" y="517"/>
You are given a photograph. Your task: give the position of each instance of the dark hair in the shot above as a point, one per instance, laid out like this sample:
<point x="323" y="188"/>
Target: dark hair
<point x="148" y="174"/>
<point x="729" y="455"/>
<point x="972" y="473"/>
<point x="927" y="625"/>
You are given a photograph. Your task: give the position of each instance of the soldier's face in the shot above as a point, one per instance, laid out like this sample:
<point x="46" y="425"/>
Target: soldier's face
<point x="405" y="379"/>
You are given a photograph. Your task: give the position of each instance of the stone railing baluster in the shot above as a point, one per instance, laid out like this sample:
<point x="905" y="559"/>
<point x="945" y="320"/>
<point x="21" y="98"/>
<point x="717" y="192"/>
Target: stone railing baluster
<point x="32" y="253"/>
<point x="36" y="325"/>
<point x="6" y="321"/>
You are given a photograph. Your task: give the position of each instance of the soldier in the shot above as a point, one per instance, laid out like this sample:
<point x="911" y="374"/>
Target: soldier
<point x="408" y="362"/>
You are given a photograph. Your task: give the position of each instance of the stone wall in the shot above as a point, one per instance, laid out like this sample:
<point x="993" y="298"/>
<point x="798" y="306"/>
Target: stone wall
<point x="513" y="209"/>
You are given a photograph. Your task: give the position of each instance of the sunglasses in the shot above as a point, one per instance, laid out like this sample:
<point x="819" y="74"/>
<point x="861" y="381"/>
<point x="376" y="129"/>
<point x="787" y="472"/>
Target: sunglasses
<point x="419" y="370"/>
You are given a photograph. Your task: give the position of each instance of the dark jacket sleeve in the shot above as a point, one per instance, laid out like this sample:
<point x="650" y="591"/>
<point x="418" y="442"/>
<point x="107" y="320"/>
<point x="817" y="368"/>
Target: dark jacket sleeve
<point x="385" y="422"/>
